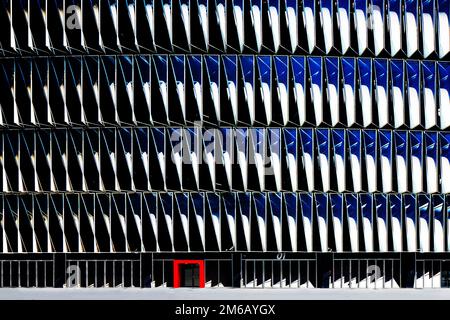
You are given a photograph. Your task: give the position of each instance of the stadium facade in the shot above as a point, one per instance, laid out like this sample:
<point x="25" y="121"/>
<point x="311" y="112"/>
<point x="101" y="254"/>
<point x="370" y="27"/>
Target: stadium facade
<point x="234" y="143"/>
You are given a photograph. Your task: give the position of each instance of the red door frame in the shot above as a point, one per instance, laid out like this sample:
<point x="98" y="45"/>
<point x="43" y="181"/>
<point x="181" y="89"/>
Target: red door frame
<point x="176" y="271"/>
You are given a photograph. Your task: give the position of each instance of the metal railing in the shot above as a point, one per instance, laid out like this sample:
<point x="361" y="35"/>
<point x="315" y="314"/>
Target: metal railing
<point x="365" y="273"/>
<point x="432" y="273"/>
<point x="286" y="273"/>
<point x="103" y="273"/>
<point x="218" y="272"/>
<point x="237" y="269"/>
<point x="26" y="272"/>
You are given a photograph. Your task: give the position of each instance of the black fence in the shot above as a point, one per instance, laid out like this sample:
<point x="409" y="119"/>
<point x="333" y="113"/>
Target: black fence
<point x="228" y="269"/>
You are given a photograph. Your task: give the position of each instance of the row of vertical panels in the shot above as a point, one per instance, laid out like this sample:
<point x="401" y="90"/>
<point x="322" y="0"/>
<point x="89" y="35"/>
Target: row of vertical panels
<point x="232" y="90"/>
<point x="127" y="222"/>
<point x="408" y="28"/>
<point x="225" y="159"/>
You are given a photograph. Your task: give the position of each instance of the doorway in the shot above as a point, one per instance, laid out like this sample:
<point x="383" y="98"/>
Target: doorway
<point x="188" y="274"/>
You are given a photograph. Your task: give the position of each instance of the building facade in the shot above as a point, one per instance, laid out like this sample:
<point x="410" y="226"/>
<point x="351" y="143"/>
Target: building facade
<point x="234" y="143"/>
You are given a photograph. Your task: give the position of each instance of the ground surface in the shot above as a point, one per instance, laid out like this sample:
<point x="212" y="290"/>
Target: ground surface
<point x="224" y="294"/>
